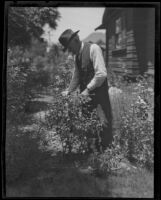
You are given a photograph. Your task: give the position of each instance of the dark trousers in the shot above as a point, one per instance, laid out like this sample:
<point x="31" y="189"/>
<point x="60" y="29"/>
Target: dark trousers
<point x="103" y="107"/>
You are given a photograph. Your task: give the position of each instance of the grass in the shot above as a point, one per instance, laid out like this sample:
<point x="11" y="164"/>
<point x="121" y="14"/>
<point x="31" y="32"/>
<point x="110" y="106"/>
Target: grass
<point x="137" y="184"/>
<point x="68" y="181"/>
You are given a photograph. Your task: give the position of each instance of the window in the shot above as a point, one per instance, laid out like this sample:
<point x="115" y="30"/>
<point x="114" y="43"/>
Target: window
<point x="119" y="33"/>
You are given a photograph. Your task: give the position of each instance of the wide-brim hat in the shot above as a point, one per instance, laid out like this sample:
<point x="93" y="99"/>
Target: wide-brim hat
<point x="66" y="37"/>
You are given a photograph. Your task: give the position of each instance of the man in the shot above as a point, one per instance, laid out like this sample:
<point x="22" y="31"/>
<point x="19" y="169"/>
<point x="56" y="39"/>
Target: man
<point x="90" y="75"/>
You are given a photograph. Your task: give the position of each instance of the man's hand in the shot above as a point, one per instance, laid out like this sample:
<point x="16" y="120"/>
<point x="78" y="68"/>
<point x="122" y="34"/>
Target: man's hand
<point x="65" y="93"/>
<point x="85" y="92"/>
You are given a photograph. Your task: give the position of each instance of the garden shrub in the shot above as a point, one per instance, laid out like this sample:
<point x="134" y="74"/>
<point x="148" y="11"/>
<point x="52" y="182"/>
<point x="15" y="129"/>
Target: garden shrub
<point x="108" y="160"/>
<point x="73" y="125"/>
<point x="18" y="91"/>
<point x="26" y="76"/>
<point x="137" y="131"/>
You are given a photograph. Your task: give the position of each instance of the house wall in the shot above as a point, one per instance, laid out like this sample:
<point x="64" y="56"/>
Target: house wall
<point x="150" y="45"/>
<point x="138" y="51"/>
<point x="125" y="60"/>
<point x="144" y="29"/>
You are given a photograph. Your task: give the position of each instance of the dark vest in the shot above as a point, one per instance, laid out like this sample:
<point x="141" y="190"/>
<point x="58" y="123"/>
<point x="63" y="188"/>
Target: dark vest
<point x="85" y="67"/>
<point x="86" y="72"/>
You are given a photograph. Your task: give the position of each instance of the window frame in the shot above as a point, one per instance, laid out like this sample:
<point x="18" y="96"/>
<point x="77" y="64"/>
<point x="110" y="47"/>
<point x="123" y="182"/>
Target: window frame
<point x="120" y="31"/>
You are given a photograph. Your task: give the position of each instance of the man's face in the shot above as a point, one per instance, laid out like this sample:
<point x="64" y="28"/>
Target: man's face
<point x="74" y="46"/>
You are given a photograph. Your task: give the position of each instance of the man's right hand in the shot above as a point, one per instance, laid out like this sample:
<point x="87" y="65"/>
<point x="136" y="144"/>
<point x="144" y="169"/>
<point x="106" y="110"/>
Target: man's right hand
<point x="65" y="93"/>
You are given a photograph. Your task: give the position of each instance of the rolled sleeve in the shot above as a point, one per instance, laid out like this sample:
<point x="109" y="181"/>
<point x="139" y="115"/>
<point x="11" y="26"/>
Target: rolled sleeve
<point x="99" y="67"/>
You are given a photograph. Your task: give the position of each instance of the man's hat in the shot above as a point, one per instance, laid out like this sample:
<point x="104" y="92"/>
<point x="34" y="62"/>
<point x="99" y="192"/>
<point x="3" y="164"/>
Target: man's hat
<point x="66" y="38"/>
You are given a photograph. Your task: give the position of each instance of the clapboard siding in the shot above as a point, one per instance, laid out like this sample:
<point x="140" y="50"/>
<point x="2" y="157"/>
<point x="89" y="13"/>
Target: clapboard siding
<point x="127" y="63"/>
<point x="137" y="54"/>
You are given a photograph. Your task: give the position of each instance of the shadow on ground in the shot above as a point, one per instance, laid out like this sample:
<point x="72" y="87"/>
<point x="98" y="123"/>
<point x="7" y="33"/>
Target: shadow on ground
<point x="58" y="178"/>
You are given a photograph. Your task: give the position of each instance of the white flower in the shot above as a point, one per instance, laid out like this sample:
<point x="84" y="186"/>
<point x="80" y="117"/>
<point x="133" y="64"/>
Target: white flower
<point x="57" y="77"/>
<point x="150" y="90"/>
<point x="140" y="100"/>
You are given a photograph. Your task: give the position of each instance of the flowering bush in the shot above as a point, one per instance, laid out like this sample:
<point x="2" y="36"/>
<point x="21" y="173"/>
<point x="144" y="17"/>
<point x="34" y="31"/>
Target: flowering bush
<point x="108" y="160"/>
<point x="136" y="133"/>
<point x="73" y="123"/>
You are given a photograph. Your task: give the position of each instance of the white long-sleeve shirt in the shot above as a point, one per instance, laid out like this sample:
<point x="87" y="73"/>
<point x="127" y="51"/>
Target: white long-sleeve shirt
<point x="100" y="72"/>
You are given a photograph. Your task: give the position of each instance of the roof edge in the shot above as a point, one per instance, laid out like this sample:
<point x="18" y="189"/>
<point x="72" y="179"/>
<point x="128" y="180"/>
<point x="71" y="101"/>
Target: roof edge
<point x="102" y="26"/>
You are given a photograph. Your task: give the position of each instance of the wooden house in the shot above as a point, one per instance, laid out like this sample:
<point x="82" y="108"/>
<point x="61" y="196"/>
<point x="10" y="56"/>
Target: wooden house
<point x="130" y="39"/>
